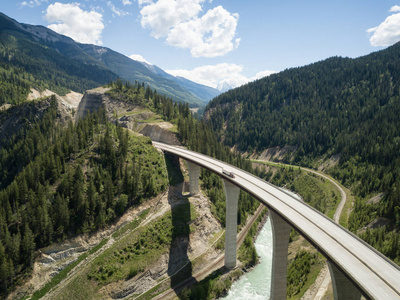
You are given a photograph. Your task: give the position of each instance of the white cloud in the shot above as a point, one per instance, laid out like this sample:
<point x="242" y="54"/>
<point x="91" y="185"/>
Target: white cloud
<point x="116" y="11"/>
<point x="126" y="2"/>
<point x="262" y="74"/>
<point x="33" y="3"/>
<point x="212" y="75"/>
<point x="395" y="8"/>
<point x="388" y="32"/>
<point x="179" y="21"/>
<point x="163" y="15"/>
<point x="142" y="2"/>
<point x="69" y="19"/>
<point x="208" y="36"/>
<point x="138" y="57"/>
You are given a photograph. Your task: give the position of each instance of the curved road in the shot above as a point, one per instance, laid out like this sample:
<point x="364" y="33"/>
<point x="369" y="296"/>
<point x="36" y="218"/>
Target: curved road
<point x="321" y="284"/>
<point x="376" y="276"/>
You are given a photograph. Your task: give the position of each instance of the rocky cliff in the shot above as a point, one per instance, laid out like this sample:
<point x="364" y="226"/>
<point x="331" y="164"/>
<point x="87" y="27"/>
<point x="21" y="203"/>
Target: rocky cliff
<point x="92" y="101"/>
<point x="157" y="134"/>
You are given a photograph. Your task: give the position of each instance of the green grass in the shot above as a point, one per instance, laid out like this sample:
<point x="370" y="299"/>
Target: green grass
<point x="135" y="253"/>
<point x="136" y="112"/>
<point x="131" y="225"/>
<point x="174" y="128"/>
<point x="153" y="119"/>
<point x="344" y="217"/>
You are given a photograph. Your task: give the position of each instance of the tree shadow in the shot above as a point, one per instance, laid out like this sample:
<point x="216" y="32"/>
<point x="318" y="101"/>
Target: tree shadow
<point x="179" y="266"/>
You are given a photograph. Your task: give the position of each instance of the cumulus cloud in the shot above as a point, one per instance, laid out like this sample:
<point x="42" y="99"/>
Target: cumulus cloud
<point x="163" y="15"/>
<point x="126" y="2"/>
<point x="141" y="2"/>
<point x="116" y="11"/>
<point x="208" y="36"/>
<point x="388" y="32"/>
<point x="70" y="20"/>
<point x="395" y="8"/>
<point x="138" y="57"/>
<point x="212" y="75"/>
<point x="33" y="3"/>
<point x="179" y="21"/>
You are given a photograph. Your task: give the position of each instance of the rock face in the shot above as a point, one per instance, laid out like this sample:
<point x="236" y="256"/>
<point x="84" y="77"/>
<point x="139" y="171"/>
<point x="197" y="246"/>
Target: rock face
<point x="91" y="101"/>
<point x="157" y="134"/>
<point x="128" y="115"/>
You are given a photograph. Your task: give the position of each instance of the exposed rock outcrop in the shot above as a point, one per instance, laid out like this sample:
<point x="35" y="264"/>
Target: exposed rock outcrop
<point x="92" y="101"/>
<point x="157" y="134"/>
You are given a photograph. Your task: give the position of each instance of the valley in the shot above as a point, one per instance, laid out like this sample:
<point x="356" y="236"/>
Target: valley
<point x="89" y="208"/>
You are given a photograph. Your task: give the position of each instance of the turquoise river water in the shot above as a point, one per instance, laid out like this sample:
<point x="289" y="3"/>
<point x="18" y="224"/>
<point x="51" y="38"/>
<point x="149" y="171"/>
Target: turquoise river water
<point x="256" y="283"/>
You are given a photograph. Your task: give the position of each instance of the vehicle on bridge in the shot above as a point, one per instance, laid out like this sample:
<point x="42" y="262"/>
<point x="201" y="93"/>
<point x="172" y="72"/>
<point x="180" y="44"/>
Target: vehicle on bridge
<point x="228" y="173"/>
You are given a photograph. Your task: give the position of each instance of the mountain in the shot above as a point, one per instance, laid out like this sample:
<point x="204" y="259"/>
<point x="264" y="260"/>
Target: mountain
<point x="38" y="41"/>
<point x="224" y="87"/>
<point x="51" y="173"/>
<point x="63" y="64"/>
<point x="340" y="107"/>
<point x="204" y="92"/>
<point x="27" y="60"/>
<point x="133" y="71"/>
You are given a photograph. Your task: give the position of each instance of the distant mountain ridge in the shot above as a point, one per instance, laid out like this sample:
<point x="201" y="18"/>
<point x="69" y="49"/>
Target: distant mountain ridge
<point x="101" y="59"/>
<point x="202" y="91"/>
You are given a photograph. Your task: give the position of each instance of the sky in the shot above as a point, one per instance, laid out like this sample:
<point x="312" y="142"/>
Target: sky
<point x="216" y="41"/>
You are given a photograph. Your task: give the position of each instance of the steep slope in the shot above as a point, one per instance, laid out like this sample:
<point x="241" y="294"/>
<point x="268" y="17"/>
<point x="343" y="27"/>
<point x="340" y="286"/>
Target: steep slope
<point x="42" y="52"/>
<point x="135" y="71"/>
<point x="340" y="106"/>
<point x="59" y="179"/>
<point x="28" y="58"/>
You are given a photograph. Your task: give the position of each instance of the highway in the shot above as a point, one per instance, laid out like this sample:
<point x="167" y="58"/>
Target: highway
<point x="375" y="275"/>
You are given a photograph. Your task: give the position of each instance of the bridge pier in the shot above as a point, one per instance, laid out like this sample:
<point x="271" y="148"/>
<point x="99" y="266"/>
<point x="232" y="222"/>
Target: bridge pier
<point x="194" y="173"/>
<point x="232" y="197"/>
<point x="280" y="237"/>
<point x="343" y="288"/>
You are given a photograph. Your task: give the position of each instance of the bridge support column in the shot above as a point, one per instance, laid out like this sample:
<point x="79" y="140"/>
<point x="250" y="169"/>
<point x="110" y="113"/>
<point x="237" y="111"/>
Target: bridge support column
<point x="232" y="197"/>
<point x="280" y="237"/>
<point x="343" y="288"/>
<point x="194" y="173"/>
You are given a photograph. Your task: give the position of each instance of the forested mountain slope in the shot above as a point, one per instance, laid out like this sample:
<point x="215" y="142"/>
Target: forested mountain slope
<point x="340" y="106"/>
<point x="42" y="58"/>
<point x="27" y="61"/>
<point x="58" y="179"/>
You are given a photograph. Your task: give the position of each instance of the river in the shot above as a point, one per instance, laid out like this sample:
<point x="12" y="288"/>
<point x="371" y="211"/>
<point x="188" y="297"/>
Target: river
<point x="256" y="283"/>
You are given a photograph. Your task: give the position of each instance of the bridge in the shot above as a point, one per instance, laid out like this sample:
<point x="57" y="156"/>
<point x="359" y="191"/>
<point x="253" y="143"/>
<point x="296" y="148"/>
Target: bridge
<point x="356" y="268"/>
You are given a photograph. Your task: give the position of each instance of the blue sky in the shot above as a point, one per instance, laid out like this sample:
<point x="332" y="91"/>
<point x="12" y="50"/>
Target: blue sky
<point x="211" y="41"/>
